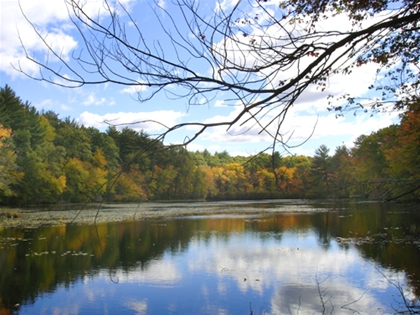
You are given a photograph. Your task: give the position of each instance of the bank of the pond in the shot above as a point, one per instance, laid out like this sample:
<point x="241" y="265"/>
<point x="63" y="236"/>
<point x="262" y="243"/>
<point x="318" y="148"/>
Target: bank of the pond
<point x="34" y="217"/>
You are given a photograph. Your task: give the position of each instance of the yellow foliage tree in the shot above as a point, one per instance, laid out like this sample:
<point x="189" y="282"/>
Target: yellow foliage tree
<point x="8" y="168"/>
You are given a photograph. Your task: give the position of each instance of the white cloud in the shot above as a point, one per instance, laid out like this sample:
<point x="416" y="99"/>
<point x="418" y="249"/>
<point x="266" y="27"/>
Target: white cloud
<point x="65" y="107"/>
<point x="51" y="104"/>
<point x="310" y="108"/>
<point x="134" y="89"/>
<point x="310" y="121"/>
<point x="329" y="125"/>
<point x="161" y="3"/>
<point x="195" y="147"/>
<point x="224" y="5"/>
<point x="239" y="52"/>
<point x="92" y="99"/>
<point x="51" y="20"/>
<point x="13" y="25"/>
<point x="219" y="103"/>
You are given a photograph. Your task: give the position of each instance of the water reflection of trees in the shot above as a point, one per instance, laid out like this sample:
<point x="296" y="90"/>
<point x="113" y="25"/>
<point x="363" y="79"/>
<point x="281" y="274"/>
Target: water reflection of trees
<point x="35" y="261"/>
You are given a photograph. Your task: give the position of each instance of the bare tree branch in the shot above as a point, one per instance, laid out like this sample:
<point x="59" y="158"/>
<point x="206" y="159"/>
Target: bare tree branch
<point x="248" y="49"/>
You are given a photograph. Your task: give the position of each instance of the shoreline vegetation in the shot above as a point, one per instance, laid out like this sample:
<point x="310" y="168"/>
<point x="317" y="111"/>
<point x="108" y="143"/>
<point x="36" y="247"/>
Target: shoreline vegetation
<point x="48" y="160"/>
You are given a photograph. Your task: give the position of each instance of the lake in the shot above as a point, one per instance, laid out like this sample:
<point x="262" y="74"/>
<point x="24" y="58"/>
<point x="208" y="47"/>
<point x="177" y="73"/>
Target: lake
<point x="266" y="257"/>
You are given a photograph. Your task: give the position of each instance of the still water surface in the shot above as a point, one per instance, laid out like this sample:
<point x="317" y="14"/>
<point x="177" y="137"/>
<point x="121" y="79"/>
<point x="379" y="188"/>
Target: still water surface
<point x="231" y="258"/>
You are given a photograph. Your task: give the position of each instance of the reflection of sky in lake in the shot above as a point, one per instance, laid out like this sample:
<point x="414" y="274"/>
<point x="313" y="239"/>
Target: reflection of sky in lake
<point x="233" y="273"/>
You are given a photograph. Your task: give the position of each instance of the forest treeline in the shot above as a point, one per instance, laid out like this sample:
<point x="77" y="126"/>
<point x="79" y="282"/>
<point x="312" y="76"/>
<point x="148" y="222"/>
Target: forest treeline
<point x="45" y="159"/>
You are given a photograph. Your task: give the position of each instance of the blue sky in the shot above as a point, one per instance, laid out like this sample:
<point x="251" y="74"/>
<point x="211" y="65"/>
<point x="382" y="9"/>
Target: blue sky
<point x="91" y="105"/>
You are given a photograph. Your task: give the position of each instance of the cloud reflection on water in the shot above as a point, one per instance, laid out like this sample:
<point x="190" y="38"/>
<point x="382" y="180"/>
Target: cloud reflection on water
<point x="333" y="297"/>
<point x="139" y="307"/>
<point x="292" y="276"/>
<point x="157" y="272"/>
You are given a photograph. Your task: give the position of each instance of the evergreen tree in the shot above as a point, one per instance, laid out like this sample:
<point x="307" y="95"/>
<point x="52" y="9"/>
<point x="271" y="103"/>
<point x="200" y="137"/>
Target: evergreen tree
<point x="321" y="174"/>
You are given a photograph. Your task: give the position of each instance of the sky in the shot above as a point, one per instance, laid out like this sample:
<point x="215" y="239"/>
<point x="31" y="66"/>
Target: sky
<point x="307" y="126"/>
